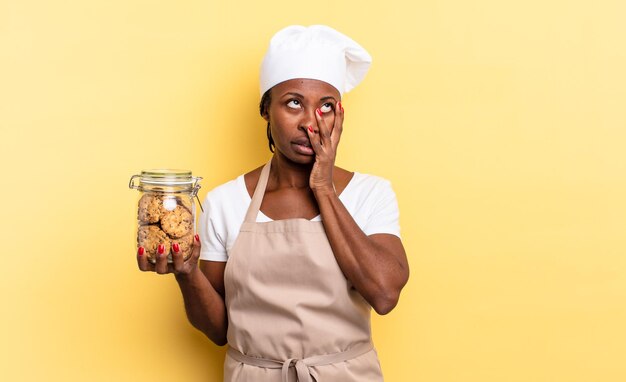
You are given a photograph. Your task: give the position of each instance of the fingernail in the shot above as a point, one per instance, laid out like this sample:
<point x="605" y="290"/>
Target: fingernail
<point x="161" y="249"/>
<point x="340" y="106"/>
<point x="319" y="112"/>
<point x="140" y="251"/>
<point x="197" y="238"/>
<point x="311" y="128"/>
<point x="176" y="247"/>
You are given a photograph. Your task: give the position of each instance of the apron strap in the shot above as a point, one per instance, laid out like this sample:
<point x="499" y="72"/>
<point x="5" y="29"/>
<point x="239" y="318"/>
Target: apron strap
<point x="304" y="372"/>
<point x="259" y="191"/>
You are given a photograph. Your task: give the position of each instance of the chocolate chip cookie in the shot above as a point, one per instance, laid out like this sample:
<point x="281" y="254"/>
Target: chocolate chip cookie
<point x="150" y="237"/>
<point x="177" y="223"/>
<point x="150" y="209"/>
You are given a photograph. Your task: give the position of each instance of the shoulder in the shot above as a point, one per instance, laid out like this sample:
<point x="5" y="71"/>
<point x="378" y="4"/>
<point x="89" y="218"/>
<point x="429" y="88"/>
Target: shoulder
<point x="372" y="202"/>
<point x="358" y="179"/>
<point x="367" y="184"/>
<point x="369" y="180"/>
<point x="235" y="190"/>
<point x="225" y="191"/>
<point x="367" y="192"/>
<point x="225" y="196"/>
<point x="251" y="179"/>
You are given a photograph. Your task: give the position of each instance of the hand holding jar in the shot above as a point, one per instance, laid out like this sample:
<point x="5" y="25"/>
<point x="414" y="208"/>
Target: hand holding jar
<point x="176" y="262"/>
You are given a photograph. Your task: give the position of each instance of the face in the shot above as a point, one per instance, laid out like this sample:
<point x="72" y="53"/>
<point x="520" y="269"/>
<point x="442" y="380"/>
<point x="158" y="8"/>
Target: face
<point x="292" y="111"/>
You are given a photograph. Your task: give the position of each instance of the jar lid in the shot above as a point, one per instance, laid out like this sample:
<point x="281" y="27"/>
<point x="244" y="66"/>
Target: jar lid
<point x="177" y="181"/>
<point x="166" y="177"/>
<point x="159" y="178"/>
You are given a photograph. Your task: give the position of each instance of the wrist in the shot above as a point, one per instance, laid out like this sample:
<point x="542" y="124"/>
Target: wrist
<point x="324" y="191"/>
<point x="187" y="277"/>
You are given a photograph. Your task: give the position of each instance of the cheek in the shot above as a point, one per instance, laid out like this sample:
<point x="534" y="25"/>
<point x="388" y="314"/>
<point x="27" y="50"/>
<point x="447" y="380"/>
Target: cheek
<point x="329" y="118"/>
<point x="283" y="121"/>
<point x="280" y="127"/>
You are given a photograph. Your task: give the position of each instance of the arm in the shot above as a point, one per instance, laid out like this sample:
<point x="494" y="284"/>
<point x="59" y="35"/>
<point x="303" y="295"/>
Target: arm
<point x="376" y="265"/>
<point x="202" y="289"/>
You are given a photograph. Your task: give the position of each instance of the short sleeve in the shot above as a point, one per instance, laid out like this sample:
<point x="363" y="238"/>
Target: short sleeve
<point x="212" y="232"/>
<point x="384" y="216"/>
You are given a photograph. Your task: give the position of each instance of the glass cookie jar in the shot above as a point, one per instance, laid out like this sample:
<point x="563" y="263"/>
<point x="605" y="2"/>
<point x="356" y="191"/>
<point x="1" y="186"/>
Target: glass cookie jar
<point x="166" y="212"/>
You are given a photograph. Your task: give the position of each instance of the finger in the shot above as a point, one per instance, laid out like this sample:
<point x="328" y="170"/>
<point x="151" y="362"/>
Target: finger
<point x="142" y="260"/>
<point x="177" y="257"/>
<point x="335" y="135"/>
<point x="324" y="130"/>
<point x="316" y="144"/>
<point x="161" y="259"/>
<point x="192" y="260"/>
<point x="195" y="250"/>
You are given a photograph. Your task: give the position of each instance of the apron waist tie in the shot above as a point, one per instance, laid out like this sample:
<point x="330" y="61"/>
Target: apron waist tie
<point x="303" y="371"/>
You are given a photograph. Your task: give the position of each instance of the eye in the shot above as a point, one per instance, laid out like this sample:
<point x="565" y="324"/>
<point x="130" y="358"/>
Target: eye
<point x="294" y="104"/>
<point x="327" y="107"/>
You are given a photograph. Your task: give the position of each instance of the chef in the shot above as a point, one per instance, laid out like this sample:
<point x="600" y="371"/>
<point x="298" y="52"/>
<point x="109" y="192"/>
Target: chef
<point x="292" y="256"/>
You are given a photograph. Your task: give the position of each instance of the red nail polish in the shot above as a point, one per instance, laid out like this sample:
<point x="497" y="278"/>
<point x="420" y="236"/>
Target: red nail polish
<point x="140" y="251"/>
<point x="197" y="238"/>
<point x="176" y="247"/>
<point x="311" y="128"/>
<point x="161" y="249"/>
<point x="319" y="112"/>
<point x="340" y="106"/>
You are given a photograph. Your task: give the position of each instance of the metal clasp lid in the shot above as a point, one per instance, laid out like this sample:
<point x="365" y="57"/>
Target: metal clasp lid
<point x="196" y="188"/>
<point x="132" y="184"/>
<point x="178" y="179"/>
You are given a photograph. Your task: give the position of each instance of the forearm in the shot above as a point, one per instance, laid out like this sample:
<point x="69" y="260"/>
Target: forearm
<point x="204" y="306"/>
<point x="376" y="272"/>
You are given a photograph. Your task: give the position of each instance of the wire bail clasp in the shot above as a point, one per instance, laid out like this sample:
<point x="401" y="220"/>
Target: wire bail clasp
<point x="195" y="189"/>
<point x="131" y="183"/>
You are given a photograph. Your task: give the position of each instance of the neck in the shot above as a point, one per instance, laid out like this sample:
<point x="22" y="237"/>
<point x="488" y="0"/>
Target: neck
<point x="287" y="174"/>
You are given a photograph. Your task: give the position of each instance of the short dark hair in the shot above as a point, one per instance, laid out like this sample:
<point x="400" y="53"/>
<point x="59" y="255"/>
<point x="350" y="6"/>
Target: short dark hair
<point x="264" y="106"/>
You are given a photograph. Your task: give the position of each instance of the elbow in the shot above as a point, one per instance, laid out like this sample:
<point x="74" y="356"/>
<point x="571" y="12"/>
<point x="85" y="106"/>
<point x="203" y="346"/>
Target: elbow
<point x="388" y="296"/>
<point x="219" y="341"/>
<point x="385" y="302"/>
<point x="218" y="337"/>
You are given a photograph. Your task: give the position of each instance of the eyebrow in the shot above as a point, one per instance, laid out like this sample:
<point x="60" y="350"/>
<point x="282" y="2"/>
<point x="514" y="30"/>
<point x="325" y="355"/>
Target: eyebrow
<point x="301" y="96"/>
<point x="293" y="94"/>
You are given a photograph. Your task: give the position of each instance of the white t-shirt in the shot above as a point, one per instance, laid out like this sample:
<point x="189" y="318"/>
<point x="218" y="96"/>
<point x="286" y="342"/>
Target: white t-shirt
<point x="369" y="199"/>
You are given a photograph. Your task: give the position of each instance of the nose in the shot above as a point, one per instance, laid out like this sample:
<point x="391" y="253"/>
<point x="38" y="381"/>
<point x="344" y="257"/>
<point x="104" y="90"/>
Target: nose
<point x="308" y="119"/>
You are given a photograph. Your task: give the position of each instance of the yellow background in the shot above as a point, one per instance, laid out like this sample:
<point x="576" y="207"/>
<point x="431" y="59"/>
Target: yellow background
<point x="501" y="125"/>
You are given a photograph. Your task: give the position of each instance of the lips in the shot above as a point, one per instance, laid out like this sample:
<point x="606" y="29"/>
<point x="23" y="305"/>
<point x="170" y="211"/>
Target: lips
<point x="302" y="141"/>
<point x="302" y="146"/>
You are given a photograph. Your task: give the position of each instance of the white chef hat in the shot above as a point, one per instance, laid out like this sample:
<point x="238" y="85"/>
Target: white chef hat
<point x="317" y="52"/>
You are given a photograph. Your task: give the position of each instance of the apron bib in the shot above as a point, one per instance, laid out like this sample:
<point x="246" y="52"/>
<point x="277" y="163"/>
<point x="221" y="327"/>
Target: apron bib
<point x="292" y="315"/>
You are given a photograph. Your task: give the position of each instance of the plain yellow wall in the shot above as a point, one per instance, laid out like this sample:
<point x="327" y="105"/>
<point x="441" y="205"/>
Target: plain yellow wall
<point x="501" y="125"/>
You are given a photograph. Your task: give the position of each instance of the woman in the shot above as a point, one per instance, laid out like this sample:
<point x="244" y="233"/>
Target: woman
<point x="294" y="253"/>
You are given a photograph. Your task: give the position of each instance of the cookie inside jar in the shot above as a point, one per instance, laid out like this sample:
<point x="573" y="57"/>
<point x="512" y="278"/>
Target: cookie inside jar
<point x="165" y="220"/>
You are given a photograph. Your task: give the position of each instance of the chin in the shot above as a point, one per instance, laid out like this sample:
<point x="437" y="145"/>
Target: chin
<point x="302" y="159"/>
<point x="296" y="158"/>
